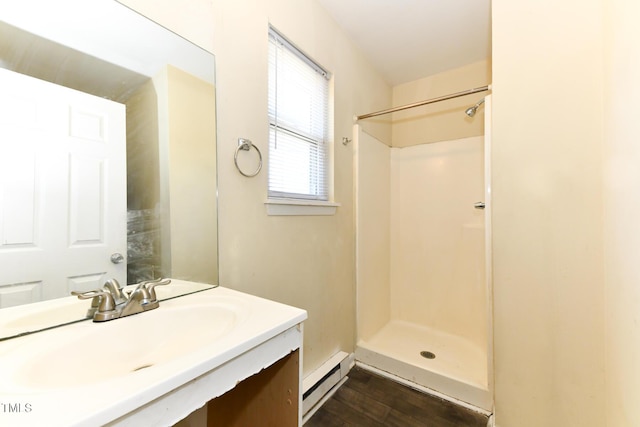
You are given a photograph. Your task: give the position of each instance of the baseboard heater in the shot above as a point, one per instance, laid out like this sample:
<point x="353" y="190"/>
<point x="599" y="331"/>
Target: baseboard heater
<point x="324" y="381"/>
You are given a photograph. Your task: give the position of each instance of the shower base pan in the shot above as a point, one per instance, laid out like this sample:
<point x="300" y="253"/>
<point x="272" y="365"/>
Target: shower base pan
<point x="404" y="350"/>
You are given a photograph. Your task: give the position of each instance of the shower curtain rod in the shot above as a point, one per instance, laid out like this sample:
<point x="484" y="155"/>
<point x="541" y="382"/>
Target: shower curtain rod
<point x="428" y="101"/>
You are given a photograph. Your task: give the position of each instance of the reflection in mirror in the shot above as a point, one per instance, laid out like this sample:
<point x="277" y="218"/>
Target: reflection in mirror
<point x="107" y="148"/>
<point x="44" y="315"/>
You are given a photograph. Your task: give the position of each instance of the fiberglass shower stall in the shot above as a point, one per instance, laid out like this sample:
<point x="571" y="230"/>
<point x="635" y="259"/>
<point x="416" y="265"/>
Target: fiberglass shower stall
<point x="423" y="270"/>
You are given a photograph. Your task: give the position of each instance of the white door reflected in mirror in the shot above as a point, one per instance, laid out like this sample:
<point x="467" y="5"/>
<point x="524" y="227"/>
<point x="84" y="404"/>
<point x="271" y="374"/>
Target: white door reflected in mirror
<point x="110" y="51"/>
<point x="62" y="190"/>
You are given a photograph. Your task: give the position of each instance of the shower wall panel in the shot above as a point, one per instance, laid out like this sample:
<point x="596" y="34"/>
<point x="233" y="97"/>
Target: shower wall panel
<point x="373" y="238"/>
<point x="437" y="237"/>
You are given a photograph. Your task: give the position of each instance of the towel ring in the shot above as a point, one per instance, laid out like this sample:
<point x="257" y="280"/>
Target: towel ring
<point x="245" y="144"/>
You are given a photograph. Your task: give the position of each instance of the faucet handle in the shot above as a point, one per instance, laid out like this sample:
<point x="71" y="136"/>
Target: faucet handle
<point x="150" y="286"/>
<point x="106" y="299"/>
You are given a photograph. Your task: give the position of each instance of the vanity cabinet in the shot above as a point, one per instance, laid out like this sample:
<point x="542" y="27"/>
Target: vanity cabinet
<point x="268" y="398"/>
<point x="260" y="387"/>
<point x="213" y="358"/>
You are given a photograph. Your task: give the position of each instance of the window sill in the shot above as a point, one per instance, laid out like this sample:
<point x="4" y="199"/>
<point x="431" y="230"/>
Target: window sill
<point x="300" y="207"/>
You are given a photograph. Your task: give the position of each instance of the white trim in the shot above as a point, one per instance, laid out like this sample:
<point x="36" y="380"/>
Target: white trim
<point x="322" y="401"/>
<point x="324" y="381"/>
<point x="315" y="376"/>
<point x="300" y="207"/>
<point x="321" y="381"/>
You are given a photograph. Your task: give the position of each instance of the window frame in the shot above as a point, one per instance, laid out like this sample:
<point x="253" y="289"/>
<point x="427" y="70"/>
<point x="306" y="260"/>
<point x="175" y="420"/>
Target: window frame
<point x="290" y="203"/>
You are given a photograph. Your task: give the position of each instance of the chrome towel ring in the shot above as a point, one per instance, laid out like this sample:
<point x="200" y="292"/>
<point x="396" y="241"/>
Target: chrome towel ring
<point x="246" y="145"/>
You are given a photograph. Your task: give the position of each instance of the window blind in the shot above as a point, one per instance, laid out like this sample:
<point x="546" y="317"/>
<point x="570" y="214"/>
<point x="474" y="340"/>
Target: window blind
<point x="298" y="123"/>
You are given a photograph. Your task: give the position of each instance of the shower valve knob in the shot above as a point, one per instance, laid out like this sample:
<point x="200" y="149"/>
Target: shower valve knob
<point x="479" y="205"/>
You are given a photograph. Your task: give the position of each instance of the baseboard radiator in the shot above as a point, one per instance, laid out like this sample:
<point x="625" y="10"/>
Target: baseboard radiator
<point x="324" y="381"/>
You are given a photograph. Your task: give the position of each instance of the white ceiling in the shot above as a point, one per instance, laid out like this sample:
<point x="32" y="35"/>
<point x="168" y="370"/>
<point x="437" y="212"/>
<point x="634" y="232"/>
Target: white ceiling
<point x="406" y="40"/>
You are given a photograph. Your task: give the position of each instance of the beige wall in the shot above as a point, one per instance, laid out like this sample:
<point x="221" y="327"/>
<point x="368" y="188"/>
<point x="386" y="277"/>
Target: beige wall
<point x="550" y="88"/>
<point x="192" y="162"/>
<point x="186" y="111"/>
<point x="142" y="148"/>
<point x="547" y="213"/>
<point x="191" y="19"/>
<point x="303" y="261"/>
<point x="622" y="201"/>
<point x="445" y="120"/>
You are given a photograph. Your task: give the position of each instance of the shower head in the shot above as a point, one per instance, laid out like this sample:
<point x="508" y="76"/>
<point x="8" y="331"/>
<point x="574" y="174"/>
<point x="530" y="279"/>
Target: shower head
<point x="471" y="111"/>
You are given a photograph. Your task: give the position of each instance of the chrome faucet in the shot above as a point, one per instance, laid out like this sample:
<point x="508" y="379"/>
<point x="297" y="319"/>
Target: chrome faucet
<point x="115" y="290"/>
<point x="111" y="302"/>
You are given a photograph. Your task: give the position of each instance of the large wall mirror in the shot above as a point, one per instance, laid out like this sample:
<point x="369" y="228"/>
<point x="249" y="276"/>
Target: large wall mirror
<point x="107" y="151"/>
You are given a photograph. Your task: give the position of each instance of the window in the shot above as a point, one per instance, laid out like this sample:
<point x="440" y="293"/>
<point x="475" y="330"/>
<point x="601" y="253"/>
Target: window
<point x="298" y="124"/>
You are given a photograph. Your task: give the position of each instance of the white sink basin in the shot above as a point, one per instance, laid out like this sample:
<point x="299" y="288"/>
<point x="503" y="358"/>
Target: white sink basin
<point x="105" y="351"/>
<point x="170" y="360"/>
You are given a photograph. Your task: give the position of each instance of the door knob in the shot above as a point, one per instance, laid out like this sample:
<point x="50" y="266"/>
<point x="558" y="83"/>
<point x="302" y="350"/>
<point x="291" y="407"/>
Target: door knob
<point x="117" y="258"/>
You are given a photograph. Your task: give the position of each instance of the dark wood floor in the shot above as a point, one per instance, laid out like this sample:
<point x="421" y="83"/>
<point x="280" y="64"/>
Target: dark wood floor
<point x="369" y="400"/>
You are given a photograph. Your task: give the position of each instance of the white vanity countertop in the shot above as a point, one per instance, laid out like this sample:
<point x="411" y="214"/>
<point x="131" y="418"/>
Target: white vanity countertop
<point x="89" y="374"/>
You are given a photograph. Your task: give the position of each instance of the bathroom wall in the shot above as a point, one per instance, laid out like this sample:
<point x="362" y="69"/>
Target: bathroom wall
<point x="373" y="228"/>
<point x="308" y="262"/>
<point x="443" y="121"/>
<point x="622" y="200"/>
<point x="192" y="160"/>
<point x="142" y="149"/>
<point x="191" y="19"/>
<point x="437" y="237"/>
<point x="549" y="281"/>
<point x="549" y="317"/>
<point x="184" y="156"/>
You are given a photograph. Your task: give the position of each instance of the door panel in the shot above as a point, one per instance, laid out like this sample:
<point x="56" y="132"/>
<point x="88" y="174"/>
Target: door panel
<point x="62" y="190"/>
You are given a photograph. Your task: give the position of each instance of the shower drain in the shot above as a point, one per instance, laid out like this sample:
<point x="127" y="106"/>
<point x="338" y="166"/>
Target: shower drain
<point x="427" y="355"/>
